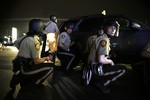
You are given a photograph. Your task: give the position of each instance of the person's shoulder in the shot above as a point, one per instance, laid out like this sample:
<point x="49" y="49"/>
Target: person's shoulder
<point x="63" y="33"/>
<point x="20" y="38"/>
<point x="29" y="38"/>
<point x="101" y="38"/>
<point x="93" y="36"/>
<point x="48" y="22"/>
<point x="53" y="23"/>
<point x="105" y="35"/>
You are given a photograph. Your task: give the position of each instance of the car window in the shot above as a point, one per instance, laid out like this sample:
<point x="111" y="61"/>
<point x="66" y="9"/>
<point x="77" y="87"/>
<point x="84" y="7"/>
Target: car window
<point x="90" y="24"/>
<point x="124" y="23"/>
<point x="64" y="24"/>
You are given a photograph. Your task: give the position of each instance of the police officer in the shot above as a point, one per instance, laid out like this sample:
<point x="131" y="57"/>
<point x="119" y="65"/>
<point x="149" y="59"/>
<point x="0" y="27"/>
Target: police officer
<point x="50" y="27"/>
<point x="89" y="43"/>
<point x="98" y="58"/>
<point x="92" y="38"/>
<point x="31" y="69"/>
<point x="65" y="53"/>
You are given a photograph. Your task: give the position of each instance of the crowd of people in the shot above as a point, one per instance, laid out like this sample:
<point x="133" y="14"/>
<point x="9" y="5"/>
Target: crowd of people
<point x="29" y="65"/>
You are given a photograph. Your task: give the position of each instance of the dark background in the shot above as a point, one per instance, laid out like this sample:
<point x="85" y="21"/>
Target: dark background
<point x="68" y="8"/>
<point x="15" y="10"/>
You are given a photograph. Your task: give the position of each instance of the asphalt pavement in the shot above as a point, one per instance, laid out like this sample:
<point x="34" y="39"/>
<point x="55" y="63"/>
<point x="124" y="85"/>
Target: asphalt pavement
<point x="68" y="86"/>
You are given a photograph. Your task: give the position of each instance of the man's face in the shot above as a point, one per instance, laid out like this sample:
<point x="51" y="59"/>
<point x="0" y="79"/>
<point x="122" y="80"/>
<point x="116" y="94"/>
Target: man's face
<point x="55" y="19"/>
<point x="111" y="30"/>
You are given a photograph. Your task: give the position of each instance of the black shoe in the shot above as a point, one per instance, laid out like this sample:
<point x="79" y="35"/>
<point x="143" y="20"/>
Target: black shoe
<point x="14" y="81"/>
<point x="102" y="88"/>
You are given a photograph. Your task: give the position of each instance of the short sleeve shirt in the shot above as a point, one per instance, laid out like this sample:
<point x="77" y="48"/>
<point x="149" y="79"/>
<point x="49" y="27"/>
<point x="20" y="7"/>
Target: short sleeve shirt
<point x="90" y="43"/>
<point x="100" y="47"/>
<point x="65" y="39"/>
<point x="51" y="27"/>
<point x="29" y="47"/>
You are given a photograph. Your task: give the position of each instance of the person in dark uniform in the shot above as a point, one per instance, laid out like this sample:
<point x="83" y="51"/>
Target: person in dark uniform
<point x="99" y="60"/>
<point x="66" y="49"/>
<point x="29" y="68"/>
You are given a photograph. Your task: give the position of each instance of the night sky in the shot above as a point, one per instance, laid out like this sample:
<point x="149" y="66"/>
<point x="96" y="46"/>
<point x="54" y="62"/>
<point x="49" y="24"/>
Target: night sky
<point x="69" y="8"/>
<point x="10" y="9"/>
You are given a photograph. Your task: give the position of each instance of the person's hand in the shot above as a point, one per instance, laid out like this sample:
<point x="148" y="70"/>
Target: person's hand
<point x="117" y="23"/>
<point x="50" y="57"/>
<point x="112" y="63"/>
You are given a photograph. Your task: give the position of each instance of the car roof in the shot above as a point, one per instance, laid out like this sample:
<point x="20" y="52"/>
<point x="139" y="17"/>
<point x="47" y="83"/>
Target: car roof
<point x="108" y="16"/>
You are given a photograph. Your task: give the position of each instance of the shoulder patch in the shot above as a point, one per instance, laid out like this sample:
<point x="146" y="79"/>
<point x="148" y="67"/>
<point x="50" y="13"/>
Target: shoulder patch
<point x="103" y="43"/>
<point x="37" y="45"/>
<point x="63" y="36"/>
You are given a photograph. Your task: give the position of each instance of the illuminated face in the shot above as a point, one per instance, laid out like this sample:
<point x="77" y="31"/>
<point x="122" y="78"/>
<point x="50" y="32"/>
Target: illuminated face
<point x="55" y="19"/>
<point x="111" y="30"/>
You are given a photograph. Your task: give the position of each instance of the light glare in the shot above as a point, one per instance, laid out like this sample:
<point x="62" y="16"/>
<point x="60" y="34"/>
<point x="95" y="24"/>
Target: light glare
<point x="14" y="34"/>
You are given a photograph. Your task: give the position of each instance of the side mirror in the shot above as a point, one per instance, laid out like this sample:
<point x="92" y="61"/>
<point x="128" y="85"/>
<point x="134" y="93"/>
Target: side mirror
<point x="135" y="26"/>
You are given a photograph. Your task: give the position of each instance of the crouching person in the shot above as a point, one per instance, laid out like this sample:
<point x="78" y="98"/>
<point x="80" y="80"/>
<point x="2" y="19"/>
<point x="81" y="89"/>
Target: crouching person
<point x="29" y="68"/>
<point x="101" y="68"/>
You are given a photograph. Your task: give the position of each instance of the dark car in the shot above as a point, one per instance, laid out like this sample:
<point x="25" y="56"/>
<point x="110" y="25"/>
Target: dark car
<point x="133" y="35"/>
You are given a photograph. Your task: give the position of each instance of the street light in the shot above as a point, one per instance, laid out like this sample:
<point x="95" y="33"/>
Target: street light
<point x="14" y="34"/>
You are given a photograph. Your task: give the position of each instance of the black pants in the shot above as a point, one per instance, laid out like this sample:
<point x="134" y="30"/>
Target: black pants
<point x="110" y="74"/>
<point x="35" y="74"/>
<point x="67" y="60"/>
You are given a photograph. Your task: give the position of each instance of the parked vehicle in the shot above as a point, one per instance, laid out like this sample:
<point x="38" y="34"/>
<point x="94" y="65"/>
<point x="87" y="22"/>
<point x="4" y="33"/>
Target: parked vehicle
<point x="133" y="35"/>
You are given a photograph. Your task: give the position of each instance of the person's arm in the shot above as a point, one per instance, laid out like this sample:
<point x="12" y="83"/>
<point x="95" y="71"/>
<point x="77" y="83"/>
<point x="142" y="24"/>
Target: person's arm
<point x="118" y="28"/>
<point x="34" y="48"/>
<point x="41" y="60"/>
<point x="56" y="29"/>
<point x="61" y="45"/>
<point x="104" y="60"/>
